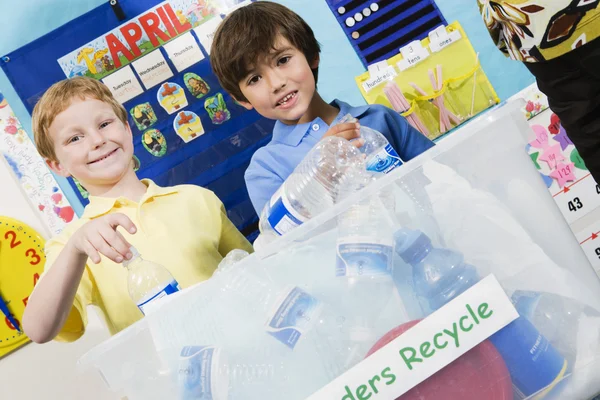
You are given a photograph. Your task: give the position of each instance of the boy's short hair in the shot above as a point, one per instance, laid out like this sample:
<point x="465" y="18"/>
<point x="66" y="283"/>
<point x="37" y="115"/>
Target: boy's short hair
<point x="57" y="98"/>
<point x="249" y="33"/>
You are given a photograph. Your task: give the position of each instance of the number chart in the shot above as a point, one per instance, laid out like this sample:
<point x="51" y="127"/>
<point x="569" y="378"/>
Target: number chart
<point x="562" y="168"/>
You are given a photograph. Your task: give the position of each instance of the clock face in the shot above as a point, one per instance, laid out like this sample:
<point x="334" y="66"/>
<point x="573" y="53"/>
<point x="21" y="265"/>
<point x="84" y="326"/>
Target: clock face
<point x="22" y="262"/>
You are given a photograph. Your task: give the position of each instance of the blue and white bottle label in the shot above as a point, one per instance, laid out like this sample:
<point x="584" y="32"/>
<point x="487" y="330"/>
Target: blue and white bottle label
<point x="384" y="160"/>
<point x="534" y="364"/>
<point x="197" y="371"/>
<point x="363" y="257"/>
<point x="294" y="315"/>
<point x="167" y="290"/>
<point x="281" y="215"/>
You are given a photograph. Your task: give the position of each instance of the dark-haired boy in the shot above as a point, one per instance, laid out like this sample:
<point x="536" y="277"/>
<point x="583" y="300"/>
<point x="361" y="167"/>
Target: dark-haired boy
<point x="267" y="57"/>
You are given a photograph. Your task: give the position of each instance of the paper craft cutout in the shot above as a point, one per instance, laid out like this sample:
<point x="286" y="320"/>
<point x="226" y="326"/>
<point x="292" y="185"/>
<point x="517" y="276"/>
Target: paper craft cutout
<point x="136" y="163"/>
<point x="154" y="142"/>
<point x="563" y="173"/>
<point x="171" y="97"/>
<point x="143" y="115"/>
<point x="554" y="126"/>
<point x="82" y="191"/>
<point x="216" y="109"/>
<point x="65" y="213"/>
<point x="196" y="85"/>
<point x="532" y="109"/>
<point x="541" y="137"/>
<point x="577" y="160"/>
<point x="552" y="155"/>
<point x="534" y="158"/>
<point x="188" y="126"/>
<point x="562" y="138"/>
<point x="547" y="180"/>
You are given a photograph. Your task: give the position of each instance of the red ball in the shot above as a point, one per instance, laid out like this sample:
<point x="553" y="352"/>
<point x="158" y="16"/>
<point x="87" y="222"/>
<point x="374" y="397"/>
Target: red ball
<point x="478" y="374"/>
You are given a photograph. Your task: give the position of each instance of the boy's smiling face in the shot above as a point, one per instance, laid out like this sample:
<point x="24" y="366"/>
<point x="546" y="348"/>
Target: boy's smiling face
<point x="281" y="85"/>
<point x="91" y="143"/>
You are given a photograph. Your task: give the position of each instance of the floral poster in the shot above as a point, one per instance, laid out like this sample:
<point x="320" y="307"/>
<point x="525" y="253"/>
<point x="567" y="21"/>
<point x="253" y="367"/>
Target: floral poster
<point x="31" y="171"/>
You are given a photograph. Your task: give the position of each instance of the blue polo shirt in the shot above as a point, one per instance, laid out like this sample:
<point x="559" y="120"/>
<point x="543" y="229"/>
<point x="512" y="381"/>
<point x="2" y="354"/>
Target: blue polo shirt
<point x="272" y="164"/>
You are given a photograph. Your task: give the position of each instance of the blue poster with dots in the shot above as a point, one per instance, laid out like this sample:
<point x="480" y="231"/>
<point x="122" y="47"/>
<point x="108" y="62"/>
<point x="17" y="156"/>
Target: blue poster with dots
<point x="377" y="29"/>
<point x="155" y="58"/>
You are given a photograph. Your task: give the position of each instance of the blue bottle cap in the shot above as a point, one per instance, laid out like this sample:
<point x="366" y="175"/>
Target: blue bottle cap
<point x="411" y="245"/>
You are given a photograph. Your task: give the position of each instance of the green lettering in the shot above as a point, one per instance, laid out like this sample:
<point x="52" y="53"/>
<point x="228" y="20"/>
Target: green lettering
<point x="435" y="341"/>
<point x="348" y="395"/>
<point x="425" y="348"/>
<point x="460" y="322"/>
<point x="372" y="383"/>
<point x="412" y="359"/>
<point x="472" y="314"/>
<point x="453" y="334"/>
<point x="388" y="374"/>
<point x="482" y="309"/>
<point x="361" y="391"/>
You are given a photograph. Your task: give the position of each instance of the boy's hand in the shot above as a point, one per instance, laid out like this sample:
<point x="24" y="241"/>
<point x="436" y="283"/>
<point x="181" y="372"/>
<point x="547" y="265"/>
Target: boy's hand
<point x="348" y="131"/>
<point x="100" y="236"/>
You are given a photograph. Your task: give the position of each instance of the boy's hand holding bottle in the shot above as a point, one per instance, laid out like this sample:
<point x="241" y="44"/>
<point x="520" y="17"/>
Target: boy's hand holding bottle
<point x="100" y="236"/>
<point x="346" y="130"/>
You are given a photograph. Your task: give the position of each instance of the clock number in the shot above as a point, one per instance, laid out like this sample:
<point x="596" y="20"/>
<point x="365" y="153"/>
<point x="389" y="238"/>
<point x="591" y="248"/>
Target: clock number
<point x="36" y="278"/>
<point x="31" y="253"/>
<point x="13" y="240"/>
<point x="10" y="326"/>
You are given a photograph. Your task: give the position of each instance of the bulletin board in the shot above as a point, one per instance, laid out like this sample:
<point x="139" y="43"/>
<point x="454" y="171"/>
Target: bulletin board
<point x="377" y="29"/>
<point x="154" y="56"/>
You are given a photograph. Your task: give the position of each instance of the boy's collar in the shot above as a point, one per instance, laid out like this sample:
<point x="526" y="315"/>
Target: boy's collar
<point x="101" y="205"/>
<point x="292" y="134"/>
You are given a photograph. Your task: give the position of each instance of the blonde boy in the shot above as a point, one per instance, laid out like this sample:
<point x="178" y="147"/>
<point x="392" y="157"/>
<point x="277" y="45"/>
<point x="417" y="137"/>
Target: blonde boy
<point x="82" y="131"/>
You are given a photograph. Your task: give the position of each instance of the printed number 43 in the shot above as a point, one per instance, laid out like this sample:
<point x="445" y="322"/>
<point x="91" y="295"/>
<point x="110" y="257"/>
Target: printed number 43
<point x="575" y="204"/>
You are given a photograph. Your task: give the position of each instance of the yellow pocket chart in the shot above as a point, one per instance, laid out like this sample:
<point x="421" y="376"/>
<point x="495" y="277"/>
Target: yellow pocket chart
<point x="440" y="78"/>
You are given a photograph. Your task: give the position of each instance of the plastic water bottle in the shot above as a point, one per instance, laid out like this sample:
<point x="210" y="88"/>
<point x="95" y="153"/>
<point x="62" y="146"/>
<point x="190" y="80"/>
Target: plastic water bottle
<point x="147" y="281"/>
<point x="212" y="373"/>
<point x="314" y="333"/>
<point x="312" y="187"/>
<point x="365" y="254"/>
<point x="440" y="275"/>
<point x="557" y="318"/>
<point x="381" y="156"/>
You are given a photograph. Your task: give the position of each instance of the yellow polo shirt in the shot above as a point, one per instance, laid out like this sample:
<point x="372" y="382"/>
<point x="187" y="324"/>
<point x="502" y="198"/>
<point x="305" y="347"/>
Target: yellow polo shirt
<point x="184" y="228"/>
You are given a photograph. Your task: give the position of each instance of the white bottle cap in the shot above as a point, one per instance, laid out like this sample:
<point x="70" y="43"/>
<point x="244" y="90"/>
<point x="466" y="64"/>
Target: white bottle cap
<point x="134" y="255"/>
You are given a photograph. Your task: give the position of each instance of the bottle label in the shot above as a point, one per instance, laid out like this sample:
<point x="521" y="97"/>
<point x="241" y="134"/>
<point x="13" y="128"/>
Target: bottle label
<point x="363" y="257"/>
<point x="282" y="217"/>
<point x="294" y="316"/>
<point x="167" y="290"/>
<point x="534" y="364"/>
<point x="384" y="160"/>
<point x="195" y="374"/>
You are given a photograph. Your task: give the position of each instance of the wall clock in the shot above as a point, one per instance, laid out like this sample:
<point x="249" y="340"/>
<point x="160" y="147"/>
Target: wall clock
<point x="22" y="262"/>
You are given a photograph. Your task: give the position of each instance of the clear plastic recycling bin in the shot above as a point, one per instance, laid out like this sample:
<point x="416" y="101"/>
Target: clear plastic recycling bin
<point x="476" y="220"/>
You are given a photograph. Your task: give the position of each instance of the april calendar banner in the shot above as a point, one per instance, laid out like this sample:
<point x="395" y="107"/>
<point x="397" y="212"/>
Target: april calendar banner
<point x="156" y="62"/>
